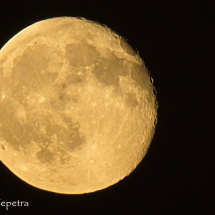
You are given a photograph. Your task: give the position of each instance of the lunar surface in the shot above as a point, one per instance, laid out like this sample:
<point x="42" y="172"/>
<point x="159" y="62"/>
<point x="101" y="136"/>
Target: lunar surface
<point x="77" y="107"/>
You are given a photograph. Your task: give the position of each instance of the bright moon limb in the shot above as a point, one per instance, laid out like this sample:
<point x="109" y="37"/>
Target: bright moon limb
<point x="77" y="107"/>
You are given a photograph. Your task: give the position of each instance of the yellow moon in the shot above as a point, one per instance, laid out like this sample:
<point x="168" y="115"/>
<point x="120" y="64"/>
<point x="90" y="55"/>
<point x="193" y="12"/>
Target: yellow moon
<point x="77" y="107"/>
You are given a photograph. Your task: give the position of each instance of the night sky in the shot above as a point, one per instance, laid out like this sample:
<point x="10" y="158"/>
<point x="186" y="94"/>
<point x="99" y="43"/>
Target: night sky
<point x="175" y="39"/>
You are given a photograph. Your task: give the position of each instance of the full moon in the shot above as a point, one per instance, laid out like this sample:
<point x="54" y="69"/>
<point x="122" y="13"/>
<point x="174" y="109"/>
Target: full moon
<point x="77" y="106"/>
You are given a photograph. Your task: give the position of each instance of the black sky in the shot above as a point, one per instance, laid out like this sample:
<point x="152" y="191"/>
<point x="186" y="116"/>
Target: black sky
<point x="176" y="41"/>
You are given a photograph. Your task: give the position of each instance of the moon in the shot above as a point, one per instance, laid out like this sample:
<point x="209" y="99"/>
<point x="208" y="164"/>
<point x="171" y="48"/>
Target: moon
<point x="77" y="106"/>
